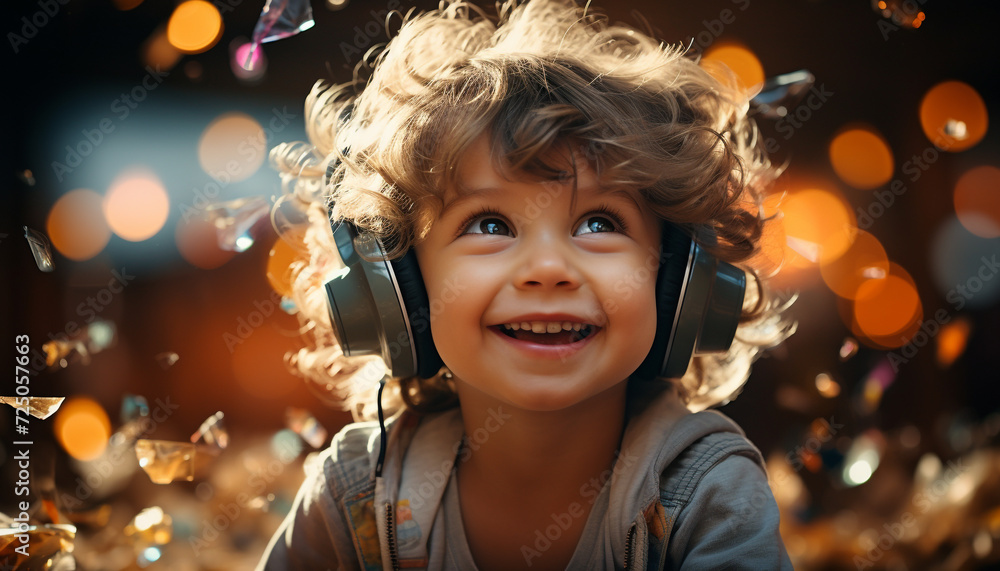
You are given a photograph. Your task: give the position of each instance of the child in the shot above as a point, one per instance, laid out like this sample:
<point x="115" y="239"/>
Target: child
<point x="543" y="176"/>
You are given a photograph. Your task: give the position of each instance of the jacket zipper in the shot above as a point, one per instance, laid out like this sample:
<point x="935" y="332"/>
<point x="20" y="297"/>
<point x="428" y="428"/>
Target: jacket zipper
<point x="628" y="546"/>
<point x="390" y="537"/>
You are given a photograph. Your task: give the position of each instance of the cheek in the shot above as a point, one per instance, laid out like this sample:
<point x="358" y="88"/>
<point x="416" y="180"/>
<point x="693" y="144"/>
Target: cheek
<point x="632" y="301"/>
<point x="456" y="306"/>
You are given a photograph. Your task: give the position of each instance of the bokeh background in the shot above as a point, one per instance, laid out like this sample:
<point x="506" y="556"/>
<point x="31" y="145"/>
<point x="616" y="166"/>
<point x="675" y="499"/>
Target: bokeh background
<point x="136" y="147"/>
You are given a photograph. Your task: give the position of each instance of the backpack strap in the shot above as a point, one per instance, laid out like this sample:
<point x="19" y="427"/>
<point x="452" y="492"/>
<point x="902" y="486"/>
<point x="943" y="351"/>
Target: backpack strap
<point x="680" y="479"/>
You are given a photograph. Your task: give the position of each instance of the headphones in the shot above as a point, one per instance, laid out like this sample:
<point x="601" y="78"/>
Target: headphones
<point x="380" y="307"/>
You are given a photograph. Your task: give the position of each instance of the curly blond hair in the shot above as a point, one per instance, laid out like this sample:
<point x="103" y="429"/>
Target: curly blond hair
<point x="534" y="77"/>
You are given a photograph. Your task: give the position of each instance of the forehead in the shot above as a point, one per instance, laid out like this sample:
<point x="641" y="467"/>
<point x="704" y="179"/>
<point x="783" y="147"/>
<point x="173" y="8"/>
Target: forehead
<point x="477" y="174"/>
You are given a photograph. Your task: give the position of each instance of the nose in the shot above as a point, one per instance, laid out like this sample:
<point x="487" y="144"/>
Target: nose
<point x="548" y="263"/>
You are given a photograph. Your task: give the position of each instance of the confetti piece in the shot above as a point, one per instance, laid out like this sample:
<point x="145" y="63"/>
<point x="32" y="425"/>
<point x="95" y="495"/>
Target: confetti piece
<point x="212" y="432"/>
<point x="166" y="462"/>
<point x="167" y="359"/>
<point x="41" y="249"/>
<point x="782" y="92"/>
<point x="306" y="426"/>
<point x="38" y="407"/>
<point x="235" y="220"/>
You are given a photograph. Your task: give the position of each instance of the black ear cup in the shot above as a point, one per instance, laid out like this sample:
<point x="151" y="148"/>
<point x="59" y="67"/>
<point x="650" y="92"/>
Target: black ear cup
<point x="698" y="304"/>
<point x="675" y="250"/>
<point x="417" y="307"/>
<point x="379" y="307"/>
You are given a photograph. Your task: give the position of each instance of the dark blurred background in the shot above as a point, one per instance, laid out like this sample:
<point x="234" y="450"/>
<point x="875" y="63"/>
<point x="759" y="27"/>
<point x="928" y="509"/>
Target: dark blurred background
<point x="858" y="412"/>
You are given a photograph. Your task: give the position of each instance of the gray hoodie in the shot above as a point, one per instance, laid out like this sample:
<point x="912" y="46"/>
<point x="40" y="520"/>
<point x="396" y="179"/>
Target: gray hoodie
<point x="687" y="491"/>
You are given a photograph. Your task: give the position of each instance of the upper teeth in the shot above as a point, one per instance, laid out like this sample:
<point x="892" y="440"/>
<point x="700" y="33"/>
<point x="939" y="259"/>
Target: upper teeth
<point x="544" y="326"/>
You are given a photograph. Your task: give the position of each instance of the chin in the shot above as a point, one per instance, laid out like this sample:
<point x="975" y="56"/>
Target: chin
<point x="552" y="399"/>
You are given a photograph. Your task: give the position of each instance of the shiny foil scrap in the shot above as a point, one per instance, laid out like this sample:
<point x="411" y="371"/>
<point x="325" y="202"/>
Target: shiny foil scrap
<point x="212" y="432"/>
<point x="306" y="426"/>
<point x="38" y="407"/>
<point x="49" y="547"/>
<point x="41" y="249"/>
<point x="165" y="461"/>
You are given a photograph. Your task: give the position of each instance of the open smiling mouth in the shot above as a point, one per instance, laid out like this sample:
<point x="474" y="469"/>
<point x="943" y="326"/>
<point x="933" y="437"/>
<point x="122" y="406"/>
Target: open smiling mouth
<point x="560" y="338"/>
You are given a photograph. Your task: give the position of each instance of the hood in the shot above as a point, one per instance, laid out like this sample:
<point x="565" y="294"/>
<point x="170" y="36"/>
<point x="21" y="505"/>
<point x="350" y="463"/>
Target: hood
<point x="415" y="487"/>
<point x="655" y="435"/>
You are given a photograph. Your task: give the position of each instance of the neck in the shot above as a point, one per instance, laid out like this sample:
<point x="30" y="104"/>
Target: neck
<point x="550" y="454"/>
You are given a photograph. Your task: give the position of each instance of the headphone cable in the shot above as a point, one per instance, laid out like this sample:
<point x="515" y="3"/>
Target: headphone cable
<point x="381" y="425"/>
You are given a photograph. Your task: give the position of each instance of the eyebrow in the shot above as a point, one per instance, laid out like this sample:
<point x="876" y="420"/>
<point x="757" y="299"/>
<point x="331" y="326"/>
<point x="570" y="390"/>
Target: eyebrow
<point x="625" y="193"/>
<point x="465" y="194"/>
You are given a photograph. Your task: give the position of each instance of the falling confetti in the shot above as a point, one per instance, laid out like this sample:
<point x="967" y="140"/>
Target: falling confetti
<point x="212" y="432"/>
<point x="279" y="19"/>
<point x="235" y="220"/>
<point x="167" y="359"/>
<point x="94" y="338"/>
<point x="305" y="425"/>
<point x="38" y="407"/>
<point x="782" y="92"/>
<point x="165" y="461"/>
<point x="59" y="351"/>
<point x="41" y="249"/>
<point x="133" y="408"/>
<point x="248" y="64"/>
<point x="51" y="546"/>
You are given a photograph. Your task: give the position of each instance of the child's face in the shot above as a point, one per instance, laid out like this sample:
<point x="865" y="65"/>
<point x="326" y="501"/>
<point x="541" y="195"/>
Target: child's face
<point x="535" y="260"/>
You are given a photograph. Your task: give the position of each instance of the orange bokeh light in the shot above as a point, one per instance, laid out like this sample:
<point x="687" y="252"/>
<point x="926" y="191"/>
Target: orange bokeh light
<point x="819" y="226"/>
<point x="953" y="116"/>
<point x="864" y="261"/>
<point x="157" y="51"/>
<point x="76" y="225"/>
<point x="125" y="5"/>
<point x="889" y="308"/>
<point x="861" y="157"/>
<point x="977" y="201"/>
<point x="136" y="206"/>
<point x="748" y="69"/>
<point x="194" y="26"/>
<point x="82" y="428"/>
<point x="232" y="148"/>
<point x="279" y="271"/>
<point x="770" y="257"/>
<point x="952" y="340"/>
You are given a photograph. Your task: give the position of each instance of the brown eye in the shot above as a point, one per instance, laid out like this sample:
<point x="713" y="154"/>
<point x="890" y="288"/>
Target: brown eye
<point x="490" y="225"/>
